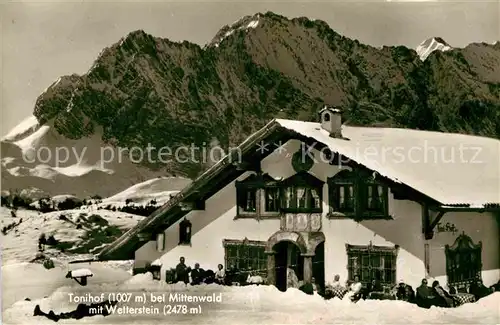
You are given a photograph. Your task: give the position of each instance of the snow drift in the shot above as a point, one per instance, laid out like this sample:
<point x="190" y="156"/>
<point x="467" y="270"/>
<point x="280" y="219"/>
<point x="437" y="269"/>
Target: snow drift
<point x="247" y="305"/>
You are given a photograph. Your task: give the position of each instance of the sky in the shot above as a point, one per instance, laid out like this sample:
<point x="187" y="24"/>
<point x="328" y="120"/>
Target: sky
<point x="41" y="40"/>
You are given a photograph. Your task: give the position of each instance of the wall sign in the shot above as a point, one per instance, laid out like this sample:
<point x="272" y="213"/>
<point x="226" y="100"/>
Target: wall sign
<point x="446" y="227"/>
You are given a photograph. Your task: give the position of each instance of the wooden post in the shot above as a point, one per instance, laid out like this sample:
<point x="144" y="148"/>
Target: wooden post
<point x="307" y="267"/>
<point x="271" y="267"/>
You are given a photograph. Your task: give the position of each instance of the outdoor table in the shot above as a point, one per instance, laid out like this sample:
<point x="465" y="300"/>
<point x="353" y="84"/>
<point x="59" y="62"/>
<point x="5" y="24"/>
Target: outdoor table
<point x="463" y="298"/>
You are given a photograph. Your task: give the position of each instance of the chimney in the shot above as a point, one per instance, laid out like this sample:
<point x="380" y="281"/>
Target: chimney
<point x="331" y="121"/>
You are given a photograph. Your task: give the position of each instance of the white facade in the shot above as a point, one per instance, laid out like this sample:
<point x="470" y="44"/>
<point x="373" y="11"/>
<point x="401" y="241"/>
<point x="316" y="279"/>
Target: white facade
<point x="217" y="222"/>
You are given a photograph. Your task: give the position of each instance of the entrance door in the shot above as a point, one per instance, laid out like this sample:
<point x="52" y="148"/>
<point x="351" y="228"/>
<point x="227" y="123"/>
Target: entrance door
<point x="319" y="266"/>
<point x="287" y="255"/>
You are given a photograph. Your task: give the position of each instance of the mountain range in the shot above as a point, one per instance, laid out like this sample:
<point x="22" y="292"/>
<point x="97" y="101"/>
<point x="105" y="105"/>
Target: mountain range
<point x="148" y="91"/>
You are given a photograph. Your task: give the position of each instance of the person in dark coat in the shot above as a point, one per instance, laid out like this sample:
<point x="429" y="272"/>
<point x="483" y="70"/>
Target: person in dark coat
<point x="442" y="297"/>
<point x="404" y="292"/>
<point x="374" y="290"/>
<point x="479" y="290"/>
<point x="424" y="296"/>
<point x="182" y="271"/>
<point x="197" y="275"/>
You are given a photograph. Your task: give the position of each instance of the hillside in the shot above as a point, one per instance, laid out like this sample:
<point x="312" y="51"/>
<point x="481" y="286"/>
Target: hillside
<point x="146" y="90"/>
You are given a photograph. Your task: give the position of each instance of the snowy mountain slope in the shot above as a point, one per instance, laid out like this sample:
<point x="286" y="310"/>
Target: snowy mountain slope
<point x="430" y="45"/>
<point x="143" y="193"/>
<point x="245" y="23"/>
<point x="37" y="156"/>
<point x="24" y="128"/>
<point x="78" y="231"/>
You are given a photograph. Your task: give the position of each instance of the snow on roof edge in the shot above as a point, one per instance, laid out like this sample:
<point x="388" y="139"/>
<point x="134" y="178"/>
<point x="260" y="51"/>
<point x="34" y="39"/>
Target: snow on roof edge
<point x="375" y="166"/>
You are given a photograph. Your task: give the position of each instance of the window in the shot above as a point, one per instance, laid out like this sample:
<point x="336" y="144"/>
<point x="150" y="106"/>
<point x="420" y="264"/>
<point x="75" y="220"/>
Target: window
<point x="302" y="193"/>
<point x="372" y="262"/>
<point x="326" y="117"/>
<point x="358" y="195"/>
<point x="341" y="190"/>
<point x="376" y="198"/>
<point x="272" y="199"/>
<point x="185" y="232"/>
<point x="258" y="195"/>
<point x="160" y="242"/>
<point x="246" y="255"/>
<point x="247" y="199"/>
<point x="463" y="262"/>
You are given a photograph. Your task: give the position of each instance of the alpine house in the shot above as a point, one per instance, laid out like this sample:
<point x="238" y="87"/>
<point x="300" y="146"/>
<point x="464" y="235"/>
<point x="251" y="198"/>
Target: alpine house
<point x="326" y="199"/>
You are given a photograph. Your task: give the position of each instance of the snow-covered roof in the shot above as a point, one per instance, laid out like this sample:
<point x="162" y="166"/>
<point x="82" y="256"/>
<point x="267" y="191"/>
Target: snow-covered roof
<point x="81" y="272"/>
<point x="156" y="262"/>
<point x="453" y="169"/>
<point x="331" y="109"/>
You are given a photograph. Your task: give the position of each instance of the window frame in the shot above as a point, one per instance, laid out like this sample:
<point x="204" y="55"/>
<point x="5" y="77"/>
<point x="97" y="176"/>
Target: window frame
<point x="361" y="251"/>
<point x="306" y="181"/>
<point x="259" y="183"/>
<point x="246" y="243"/>
<point x="463" y="244"/>
<point x="157" y="241"/>
<point x="383" y="212"/>
<point x="360" y="183"/>
<point x="343" y="178"/>
<point x="186" y="238"/>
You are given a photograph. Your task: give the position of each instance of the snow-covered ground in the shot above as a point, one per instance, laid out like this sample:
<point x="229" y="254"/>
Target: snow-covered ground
<point x="143" y="193"/>
<point x="238" y="305"/>
<point x="20" y="243"/>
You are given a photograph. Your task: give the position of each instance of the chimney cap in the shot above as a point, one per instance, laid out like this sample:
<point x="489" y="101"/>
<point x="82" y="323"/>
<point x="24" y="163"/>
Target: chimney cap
<point x="332" y="109"/>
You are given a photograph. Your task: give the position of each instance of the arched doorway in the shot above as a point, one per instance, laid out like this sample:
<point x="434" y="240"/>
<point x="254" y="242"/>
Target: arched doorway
<point x="287" y="254"/>
<point x="318" y="266"/>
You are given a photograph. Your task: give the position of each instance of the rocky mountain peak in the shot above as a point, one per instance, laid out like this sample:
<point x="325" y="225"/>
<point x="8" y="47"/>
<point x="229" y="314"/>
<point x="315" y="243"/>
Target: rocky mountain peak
<point x="430" y="45"/>
<point x="245" y="23"/>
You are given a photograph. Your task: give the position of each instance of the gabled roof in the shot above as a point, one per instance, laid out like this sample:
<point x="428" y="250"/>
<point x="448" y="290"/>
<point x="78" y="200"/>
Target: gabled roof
<point x="420" y="160"/>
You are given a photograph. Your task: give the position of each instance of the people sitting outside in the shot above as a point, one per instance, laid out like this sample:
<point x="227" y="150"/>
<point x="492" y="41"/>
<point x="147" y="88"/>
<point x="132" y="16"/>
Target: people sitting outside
<point x="424" y="297"/>
<point x="182" y="271"/>
<point x="336" y="282"/>
<point x="335" y="289"/>
<point x="354" y="293"/>
<point x="479" y="290"/>
<point x="404" y="292"/>
<point x="375" y="290"/>
<point x="197" y="275"/>
<point x="442" y="297"/>
<point x="254" y="278"/>
<point x="220" y="275"/>
<point x="292" y="281"/>
<point x="314" y="285"/>
<point x="309" y="288"/>
<point x="208" y="277"/>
